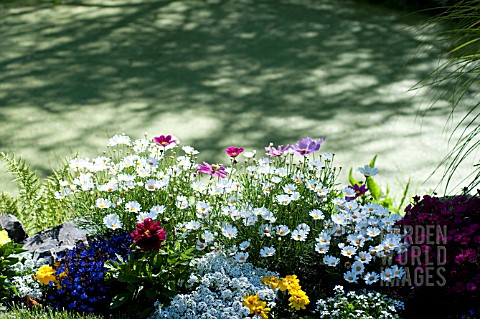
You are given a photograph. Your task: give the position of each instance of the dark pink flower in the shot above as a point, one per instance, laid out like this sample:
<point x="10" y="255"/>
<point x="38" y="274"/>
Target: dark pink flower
<point x="163" y="140"/>
<point x="212" y="170"/>
<point x="233" y="151"/>
<point x="459" y="286"/>
<point x="149" y="235"/>
<point x="471" y="286"/>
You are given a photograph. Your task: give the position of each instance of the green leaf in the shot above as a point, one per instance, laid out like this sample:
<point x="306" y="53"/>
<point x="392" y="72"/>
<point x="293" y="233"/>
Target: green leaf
<point x="352" y="180"/>
<point x="373" y="188"/>
<point x="118" y="300"/>
<point x="372" y="162"/>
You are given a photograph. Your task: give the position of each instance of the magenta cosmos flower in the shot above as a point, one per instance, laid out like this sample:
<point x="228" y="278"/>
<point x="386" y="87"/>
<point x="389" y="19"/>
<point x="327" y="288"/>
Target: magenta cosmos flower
<point x="149" y="235"/>
<point x="163" y="140"/>
<point x="212" y="170"/>
<point x="306" y="146"/>
<point x="233" y="151"/>
<point x="272" y="151"/>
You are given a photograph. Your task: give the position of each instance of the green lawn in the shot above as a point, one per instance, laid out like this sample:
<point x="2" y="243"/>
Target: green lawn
<point x="217" y="73"/>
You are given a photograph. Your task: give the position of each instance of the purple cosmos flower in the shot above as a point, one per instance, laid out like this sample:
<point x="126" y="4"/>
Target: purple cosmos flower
<point x="359" y="191"/>
<point x="272" y="151"/>
<point x="163" y="140"/>
<point x="233" y="151"/>
<point x="212" y="170"/>
<point x="306" y="146"/>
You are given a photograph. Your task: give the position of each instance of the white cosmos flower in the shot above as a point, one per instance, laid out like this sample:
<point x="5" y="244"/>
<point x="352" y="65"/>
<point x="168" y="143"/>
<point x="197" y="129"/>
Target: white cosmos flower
<point x="150" y="185"/>
<point x="363" y="257"/>
<point x="321" y="248"/>
<point x="321" y="191"/>
<point x="103" y="203"/>
<point x="112" y="221"/>
<point x="208" y="237"/>
<point x="229" y="231"/>
<point x="299" y="235"/>
<point x="193" y="225"/>
<point x="327" y="156"/>
<point x="331" y="260"/>
<point x="267" y="251"/>
<point x="350" y="276"/>
<point x="348" y="192"/>
<point x="133" y="206"/>
<point x="119" y="139"/>
<point x="200" y="245"/>
<point x="189" y="150"/>
<point x="142" y="216"/>
<point x="244" y="245"/>
<point x="387" y="274"/>
<point x="282" y="230"/>
<point x="284" y="199"/>
<point x="317" y="214"/>
<point x="249" y="154"/>
<point x="371" y="277"/>
<point x="289" y="188"/>
<point x="158" y="209"/>
<point x="358" y="267"/>
<point x="266" y="230"/>
<point x="241" y="257"/>
<point x="323" y="238"/>
<point x="339" y="219"/>
<point x="349" y="251"/>
<point x="367" y="170"/>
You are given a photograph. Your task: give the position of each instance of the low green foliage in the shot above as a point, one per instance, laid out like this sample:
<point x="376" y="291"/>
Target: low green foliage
<point x="148" y="276"/>
<point x="39" y="313"/>
<point x="8" y="257"/>
<point x="35" y="206"/>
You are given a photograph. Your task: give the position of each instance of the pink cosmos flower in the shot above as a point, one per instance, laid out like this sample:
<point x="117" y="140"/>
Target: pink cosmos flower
<point x="163" y="140"/>
<point x="233" y="151"/>
<point x="272" y="151"/>
<point x="212" y="170"/>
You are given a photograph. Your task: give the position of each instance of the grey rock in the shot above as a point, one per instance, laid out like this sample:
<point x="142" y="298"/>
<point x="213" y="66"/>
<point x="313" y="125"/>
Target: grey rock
<point x="14" y="228"/>
<point x="48" y="243"/>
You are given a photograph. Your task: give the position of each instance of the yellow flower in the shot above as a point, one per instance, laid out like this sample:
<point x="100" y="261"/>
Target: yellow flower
<point x="256" y="306"/>
<point x="290" y="282"/>
<point x="61" y="276"/>
<point x="271" y="281"/>
<point x="251" y="302"/>
<point x="261" y="311"/>
<point x="4" y="237"/>
<point x="298" y="299"/>
<point x="45" y="275"/>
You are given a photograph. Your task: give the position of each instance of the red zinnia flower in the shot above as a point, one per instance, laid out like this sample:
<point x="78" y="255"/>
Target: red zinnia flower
<point x="234" y="151"/>
<point x="149" y="235"/>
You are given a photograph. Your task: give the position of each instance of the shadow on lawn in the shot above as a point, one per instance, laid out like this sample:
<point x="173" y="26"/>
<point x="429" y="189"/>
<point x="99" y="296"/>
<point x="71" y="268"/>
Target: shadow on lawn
<point x="221" y="72"/>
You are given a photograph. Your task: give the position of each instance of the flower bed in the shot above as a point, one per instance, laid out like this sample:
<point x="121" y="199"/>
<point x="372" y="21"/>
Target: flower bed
<point x="266" y="236"/>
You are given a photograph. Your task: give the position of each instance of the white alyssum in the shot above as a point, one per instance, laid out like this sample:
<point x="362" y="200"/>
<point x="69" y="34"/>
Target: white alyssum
<point x="218" y="287"/>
